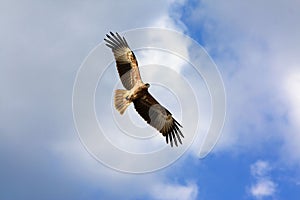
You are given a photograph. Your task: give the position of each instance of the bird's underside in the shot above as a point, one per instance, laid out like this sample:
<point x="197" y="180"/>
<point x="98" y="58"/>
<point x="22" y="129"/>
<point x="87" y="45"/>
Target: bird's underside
<point x="137" y="92"/>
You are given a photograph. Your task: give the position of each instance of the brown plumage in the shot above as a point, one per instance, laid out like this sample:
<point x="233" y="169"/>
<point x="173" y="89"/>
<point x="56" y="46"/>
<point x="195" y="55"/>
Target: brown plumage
<point x="137" y="92"/>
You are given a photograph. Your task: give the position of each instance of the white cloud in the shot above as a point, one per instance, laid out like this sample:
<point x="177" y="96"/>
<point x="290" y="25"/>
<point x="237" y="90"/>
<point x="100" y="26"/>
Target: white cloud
<point x="263" y="186"/>
<point x="290" y="87"/>
<point x="45" y="44"/>
<point x="255" y="46"/>
<point x="175" y="191"/>
<point x="89" y="171"/>
<point x="260" y="168"/>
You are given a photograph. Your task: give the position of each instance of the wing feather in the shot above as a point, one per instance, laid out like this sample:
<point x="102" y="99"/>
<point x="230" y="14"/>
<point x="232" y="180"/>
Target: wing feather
<point x="127" y="65"/>
<point x="119" y="38"/>
<point x="125" y="42"/>
<point x="158" y="117"/>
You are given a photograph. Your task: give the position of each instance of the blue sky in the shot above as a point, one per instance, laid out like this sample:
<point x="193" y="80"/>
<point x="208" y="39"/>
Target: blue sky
<point x="255" y="45"/>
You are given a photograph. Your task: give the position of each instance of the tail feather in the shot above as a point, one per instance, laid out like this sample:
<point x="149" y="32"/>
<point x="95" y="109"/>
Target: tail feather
<point x="121" y="103"/>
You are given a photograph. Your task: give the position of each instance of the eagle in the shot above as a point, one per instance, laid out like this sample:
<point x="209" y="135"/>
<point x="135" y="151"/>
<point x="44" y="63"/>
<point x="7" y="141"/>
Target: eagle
<point x="137" y="92"/>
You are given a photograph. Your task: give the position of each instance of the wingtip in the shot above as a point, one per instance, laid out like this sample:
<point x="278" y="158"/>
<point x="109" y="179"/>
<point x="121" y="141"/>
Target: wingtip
<point x="177" y="135"/>
<point x="176" y="122"/>
<point x="178" y="129"/>
<point x="125" y="41"/>
<point x="167" y="139"/>
<point x="174" y="134"/>
<point x="116" y="40"/>
<point x="174" y="138"/>
<point x="171" y="140"/>
<point x="111" y="34"/>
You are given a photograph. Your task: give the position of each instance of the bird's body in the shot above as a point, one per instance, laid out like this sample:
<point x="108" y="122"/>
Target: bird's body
<point x="136" y="92"/>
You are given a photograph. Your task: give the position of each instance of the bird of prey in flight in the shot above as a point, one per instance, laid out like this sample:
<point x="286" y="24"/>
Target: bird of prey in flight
<point x="137" y="92"/>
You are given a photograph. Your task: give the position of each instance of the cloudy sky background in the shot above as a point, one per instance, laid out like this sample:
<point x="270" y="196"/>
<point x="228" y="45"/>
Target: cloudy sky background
<point x="255" y="45"/>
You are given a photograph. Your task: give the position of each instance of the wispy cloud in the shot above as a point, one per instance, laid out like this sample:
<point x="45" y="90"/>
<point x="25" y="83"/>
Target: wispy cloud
<point x="263" y="186"/>
<point x="291" y="84"/>
<point x="260" y="168"/>
<point x="45" y="44"/>
<point x="259" y="63"/>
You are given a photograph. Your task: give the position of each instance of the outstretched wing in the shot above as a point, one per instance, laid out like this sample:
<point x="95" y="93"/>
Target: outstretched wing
<point x="158" y="117"/>
<point x="126" y="62"/>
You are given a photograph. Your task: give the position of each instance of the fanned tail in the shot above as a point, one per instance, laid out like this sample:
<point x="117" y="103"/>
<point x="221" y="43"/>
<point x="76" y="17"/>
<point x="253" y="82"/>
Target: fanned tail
<point x="121" y="102"/>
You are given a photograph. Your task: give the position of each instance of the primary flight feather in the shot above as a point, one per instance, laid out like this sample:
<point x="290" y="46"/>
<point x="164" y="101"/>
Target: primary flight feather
<point x="137" y="92"/>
